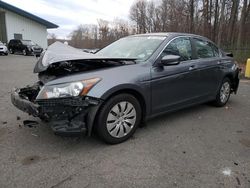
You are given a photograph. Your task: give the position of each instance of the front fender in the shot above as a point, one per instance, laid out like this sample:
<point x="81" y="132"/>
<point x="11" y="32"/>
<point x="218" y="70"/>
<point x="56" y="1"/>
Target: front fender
<point x="122" y="87"/>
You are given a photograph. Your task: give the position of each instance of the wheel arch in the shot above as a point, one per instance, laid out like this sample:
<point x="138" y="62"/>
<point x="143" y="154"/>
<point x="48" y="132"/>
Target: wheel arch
<point x="234" y="81"/>
<point x="132" y="91"/>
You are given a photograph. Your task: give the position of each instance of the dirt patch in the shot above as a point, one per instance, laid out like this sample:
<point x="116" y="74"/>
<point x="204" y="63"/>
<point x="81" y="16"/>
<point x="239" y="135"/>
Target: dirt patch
<point x="245" y="142"/>
<point x="30" y="160"/>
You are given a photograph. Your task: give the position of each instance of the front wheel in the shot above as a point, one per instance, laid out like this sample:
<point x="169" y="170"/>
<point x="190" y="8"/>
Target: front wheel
<point x="223" y="94"/>
<point x="24" y="52"/>
<point x="118" y="118"/>
<point x="11" y="51"/>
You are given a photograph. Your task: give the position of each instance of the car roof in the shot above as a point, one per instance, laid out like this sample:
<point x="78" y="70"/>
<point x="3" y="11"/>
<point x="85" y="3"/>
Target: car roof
<point x="171" y="34"/>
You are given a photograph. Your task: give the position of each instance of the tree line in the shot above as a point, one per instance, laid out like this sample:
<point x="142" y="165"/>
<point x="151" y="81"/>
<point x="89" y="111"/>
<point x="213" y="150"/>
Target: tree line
<point x="226" y="22"/>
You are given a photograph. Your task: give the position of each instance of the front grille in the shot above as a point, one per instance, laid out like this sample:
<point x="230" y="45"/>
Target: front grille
<point x="63" y="101"/>
<point x="37" y="50"/>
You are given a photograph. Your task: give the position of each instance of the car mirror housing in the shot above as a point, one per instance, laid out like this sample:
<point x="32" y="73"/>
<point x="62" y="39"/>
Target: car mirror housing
<point x="169" y="60"/>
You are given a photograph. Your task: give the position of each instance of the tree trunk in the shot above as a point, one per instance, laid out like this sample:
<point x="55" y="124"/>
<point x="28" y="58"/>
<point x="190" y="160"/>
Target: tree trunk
<point x="191" y="27"/>
<point x="232" y="21"/>
<point x="222" y="19"/>
<point x="243" y="17"/>
<point x="216" y="14"/>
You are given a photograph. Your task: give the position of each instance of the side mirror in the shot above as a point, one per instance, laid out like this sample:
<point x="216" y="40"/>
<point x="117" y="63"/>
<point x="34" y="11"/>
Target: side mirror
<point x="229" y="54"/>
<point x="169" y="60"/>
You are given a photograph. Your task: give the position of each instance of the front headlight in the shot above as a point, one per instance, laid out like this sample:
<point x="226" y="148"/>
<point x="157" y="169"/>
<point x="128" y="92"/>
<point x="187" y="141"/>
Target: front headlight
<point x="71" y="89"/>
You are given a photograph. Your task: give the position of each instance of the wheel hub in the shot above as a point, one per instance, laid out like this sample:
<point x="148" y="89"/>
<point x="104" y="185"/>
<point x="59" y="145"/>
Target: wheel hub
<point x="121" y="119"/>
<point x="225" y="92"/>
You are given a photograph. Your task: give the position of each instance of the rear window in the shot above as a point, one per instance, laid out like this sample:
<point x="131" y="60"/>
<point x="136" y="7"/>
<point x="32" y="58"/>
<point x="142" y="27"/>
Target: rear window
<point x="203" y="49"/>
<point x="216" y="50"/>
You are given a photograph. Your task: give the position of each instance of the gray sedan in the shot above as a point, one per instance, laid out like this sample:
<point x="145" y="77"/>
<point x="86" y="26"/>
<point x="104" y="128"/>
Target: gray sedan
<point x="126" y="83"/>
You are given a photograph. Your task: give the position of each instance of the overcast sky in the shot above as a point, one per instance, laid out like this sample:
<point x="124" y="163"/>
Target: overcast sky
<point x="68" y="14"/>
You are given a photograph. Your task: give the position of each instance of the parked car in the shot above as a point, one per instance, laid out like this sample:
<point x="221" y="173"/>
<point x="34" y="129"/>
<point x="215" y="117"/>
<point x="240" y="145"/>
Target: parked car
<point x="3" y="49"/>
<point x="26" y="47"/>
<point x="126" y="83"/>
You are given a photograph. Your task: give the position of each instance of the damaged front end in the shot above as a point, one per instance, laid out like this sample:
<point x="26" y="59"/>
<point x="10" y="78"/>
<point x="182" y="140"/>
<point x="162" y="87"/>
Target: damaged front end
<point x="61" y="95"/>
<point x="66" y="115"/>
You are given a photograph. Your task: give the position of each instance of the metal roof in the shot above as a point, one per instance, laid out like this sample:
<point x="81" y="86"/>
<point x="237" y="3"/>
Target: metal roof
<point x="23" y="13"/>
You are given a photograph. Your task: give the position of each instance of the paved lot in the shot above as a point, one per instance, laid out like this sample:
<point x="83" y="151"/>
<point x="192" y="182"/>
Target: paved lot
<point x="201" y="146"/>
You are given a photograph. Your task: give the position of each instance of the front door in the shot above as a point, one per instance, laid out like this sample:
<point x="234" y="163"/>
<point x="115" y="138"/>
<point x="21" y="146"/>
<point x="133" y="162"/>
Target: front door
<point x="175" y="85"/>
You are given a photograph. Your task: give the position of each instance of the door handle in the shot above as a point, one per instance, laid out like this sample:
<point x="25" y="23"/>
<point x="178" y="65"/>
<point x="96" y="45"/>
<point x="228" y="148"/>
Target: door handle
<point x="192" y="67"/>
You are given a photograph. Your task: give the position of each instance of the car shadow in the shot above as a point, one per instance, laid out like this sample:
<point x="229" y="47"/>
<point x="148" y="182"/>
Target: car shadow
<point x="46" y="135"/>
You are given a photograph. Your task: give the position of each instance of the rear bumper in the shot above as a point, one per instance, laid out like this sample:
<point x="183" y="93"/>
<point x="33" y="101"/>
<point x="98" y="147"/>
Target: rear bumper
<point x="65" y="116"/>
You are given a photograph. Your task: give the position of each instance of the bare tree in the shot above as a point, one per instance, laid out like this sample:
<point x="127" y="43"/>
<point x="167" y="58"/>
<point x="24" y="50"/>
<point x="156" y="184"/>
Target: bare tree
<point x="244" y="14"/>
<point x="222" y="19"/>
<point x="216" y="15"/>
<point x="191" y="25"/>
<point x="233" y="20"/>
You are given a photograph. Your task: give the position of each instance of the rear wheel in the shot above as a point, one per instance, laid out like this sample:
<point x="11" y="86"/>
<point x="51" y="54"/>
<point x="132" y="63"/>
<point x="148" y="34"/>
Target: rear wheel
<point x="223" y="94"/>
<point x="118" y="118"/>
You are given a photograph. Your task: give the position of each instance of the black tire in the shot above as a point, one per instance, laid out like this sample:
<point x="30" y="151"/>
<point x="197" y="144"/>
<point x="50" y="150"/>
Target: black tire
<point x="105" y="110"/>
<point x="6" y="54"/>
<point x="24" y="52"/>
<point x="218" y="101"/>
<point x="11" y="51"/>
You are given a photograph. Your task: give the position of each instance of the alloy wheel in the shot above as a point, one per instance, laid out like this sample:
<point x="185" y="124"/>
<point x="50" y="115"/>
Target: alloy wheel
<point x="121" y="119"/>
<point x="224" y="92"/>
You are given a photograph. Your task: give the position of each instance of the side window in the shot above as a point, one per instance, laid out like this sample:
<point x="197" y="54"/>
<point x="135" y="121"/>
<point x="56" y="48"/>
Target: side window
<point x="216" y="51"/>
<point x="181" y="47"/>
<point x="203" y="49"/>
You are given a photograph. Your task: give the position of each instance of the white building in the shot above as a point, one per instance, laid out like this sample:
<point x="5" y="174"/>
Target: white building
<point x="19" y="24"/>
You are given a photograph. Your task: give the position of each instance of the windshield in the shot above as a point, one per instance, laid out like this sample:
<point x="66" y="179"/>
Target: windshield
<point x="28" y="42"/>
<point x="1" y="43"/>
<point x="140" y="48"/>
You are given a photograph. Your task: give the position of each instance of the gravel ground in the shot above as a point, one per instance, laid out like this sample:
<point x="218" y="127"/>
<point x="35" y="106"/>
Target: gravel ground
<point x="202" y="146"/>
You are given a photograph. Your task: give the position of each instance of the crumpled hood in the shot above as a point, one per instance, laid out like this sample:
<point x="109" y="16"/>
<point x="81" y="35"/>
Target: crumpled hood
<point x="59" y="52"/>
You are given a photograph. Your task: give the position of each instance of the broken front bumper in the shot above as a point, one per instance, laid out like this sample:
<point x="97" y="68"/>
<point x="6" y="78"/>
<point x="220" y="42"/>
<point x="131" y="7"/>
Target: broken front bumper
<point x="24" y="104"/>
<point x="64" y="115"/>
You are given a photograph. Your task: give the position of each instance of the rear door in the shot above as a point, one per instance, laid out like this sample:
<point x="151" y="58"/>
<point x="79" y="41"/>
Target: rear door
<point x="208" y="60"/>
